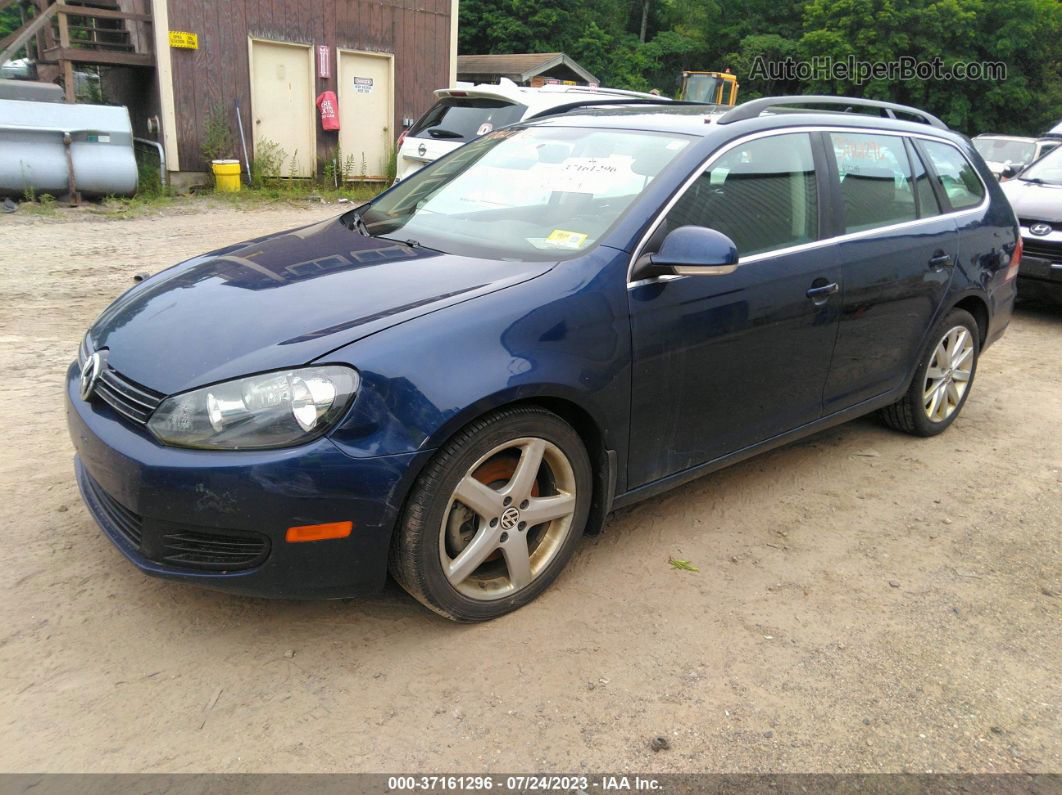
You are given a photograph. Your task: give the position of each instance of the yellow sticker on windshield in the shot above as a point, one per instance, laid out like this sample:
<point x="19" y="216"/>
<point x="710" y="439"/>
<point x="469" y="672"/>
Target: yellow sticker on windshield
<point x="562" y="238"/>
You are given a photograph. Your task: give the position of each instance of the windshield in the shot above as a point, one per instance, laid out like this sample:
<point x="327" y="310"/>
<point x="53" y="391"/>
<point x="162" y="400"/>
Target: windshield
<point x="536" y="193"/>
<point x="1047" y="169"/>
<point x="1000" y="150"/>
<point x="464" y="119"/>
<point x="704" y="88"/>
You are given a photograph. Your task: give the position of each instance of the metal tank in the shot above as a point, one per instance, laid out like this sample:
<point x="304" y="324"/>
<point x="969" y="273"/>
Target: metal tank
<point x="65" y="150"/>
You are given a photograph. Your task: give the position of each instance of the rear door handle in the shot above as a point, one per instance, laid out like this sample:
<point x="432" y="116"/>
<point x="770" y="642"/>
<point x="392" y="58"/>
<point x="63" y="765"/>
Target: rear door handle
<point x="822" y="292"/>
<point x="940" y="261"/>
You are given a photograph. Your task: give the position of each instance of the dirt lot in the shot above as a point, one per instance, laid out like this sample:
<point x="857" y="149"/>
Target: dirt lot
<point x="866" y="601"/>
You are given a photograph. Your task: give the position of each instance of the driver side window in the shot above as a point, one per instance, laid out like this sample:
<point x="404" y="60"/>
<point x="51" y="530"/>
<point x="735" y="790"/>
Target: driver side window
<point x="761" y="194"/>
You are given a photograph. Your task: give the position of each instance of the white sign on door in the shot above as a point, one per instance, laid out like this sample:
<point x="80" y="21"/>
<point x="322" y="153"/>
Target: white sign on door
<point x="363" y="85"/>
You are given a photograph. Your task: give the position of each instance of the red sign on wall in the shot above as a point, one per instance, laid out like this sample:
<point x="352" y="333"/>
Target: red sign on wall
<point x="324" y="61"/>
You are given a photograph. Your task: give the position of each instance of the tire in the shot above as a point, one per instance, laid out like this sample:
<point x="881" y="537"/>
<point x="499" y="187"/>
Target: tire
<point x="916" y="413"/>
<point x="479" y="496"/>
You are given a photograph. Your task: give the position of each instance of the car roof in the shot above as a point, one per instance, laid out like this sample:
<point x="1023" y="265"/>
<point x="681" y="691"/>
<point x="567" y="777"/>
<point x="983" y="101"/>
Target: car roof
<point x="542" y="98"/>
<point x="701" y="120"/>
<point x="1021" y="138"/>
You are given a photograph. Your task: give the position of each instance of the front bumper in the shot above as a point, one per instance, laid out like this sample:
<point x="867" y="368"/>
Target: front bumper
<point x="1040" y="270"/>
<point x="182" y="514"/>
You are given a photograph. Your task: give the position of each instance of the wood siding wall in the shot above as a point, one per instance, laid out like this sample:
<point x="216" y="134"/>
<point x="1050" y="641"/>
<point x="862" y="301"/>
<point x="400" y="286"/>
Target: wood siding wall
<point x="416" y="32"/>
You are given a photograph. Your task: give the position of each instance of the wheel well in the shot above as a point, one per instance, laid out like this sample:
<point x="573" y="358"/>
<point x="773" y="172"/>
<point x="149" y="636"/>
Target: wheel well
<point x="594" y="441"/>
<point x="979" y="309"/>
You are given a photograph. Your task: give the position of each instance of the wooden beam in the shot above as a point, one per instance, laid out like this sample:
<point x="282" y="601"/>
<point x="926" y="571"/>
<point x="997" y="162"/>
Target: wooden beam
<point x="67" y="66"/>
<point x="27" y="32"/>
<point x="101" y="13"/>
<point x="105" y="57"/>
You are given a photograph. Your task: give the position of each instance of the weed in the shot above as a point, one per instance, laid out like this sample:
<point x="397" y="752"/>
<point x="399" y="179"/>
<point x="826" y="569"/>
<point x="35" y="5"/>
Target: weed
<point x="219" y="143"/>
<point x="269" y="159"/>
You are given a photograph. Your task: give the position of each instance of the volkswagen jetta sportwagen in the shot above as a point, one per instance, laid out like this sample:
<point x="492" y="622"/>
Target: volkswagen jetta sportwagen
<point x="457" y="380"/>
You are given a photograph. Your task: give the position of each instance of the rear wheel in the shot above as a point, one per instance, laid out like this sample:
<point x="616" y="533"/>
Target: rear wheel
<point x="495" y="515"/>
<point x="943" y="379"/>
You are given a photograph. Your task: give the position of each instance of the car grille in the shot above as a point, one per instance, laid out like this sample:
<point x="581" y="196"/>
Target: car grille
<point x="1043" y="249"/>
<point x="128" y="398"/>
<point x="214" y="551"/>
<point x="128" y="525"/>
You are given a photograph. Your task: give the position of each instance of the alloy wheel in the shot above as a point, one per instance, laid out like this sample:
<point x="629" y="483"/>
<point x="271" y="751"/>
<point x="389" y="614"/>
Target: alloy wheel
<point x="508" y="518"/>
<point x="948" y="375"/>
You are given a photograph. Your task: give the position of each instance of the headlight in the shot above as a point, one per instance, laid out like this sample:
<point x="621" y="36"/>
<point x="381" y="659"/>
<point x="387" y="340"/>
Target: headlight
<point x="261" y="411"/>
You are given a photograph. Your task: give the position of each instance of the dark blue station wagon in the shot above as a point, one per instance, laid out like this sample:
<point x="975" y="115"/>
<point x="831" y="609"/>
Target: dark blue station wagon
<point x="457" y="380"/>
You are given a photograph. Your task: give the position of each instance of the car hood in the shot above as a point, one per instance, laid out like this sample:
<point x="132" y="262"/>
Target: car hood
<point x="282" y="301"/>
<point x="1034" y="202"/>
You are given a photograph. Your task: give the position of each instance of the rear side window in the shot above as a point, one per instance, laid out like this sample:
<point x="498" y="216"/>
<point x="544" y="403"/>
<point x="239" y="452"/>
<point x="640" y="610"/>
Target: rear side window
<point x="876" y="182"/>
<point x="458" y="119"/>
<point x="761" y="194"/>
<point x="955" y="175"/>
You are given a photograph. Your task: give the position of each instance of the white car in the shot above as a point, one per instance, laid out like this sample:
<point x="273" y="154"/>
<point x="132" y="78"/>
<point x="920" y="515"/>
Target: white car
<point x="1003" y="151"/>
<point x="466" y="111"/>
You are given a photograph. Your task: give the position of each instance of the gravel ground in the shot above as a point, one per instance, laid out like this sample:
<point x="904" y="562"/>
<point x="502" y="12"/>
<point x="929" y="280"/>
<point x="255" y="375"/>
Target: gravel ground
<point x="865" y="602"/>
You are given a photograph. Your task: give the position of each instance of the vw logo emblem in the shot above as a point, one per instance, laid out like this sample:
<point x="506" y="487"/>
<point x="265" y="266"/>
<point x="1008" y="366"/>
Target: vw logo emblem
<point x="1040" y="229"/>
<point x="91" y="372"/>
<point x="422" y="150"/>
<point x="510" y="519"/>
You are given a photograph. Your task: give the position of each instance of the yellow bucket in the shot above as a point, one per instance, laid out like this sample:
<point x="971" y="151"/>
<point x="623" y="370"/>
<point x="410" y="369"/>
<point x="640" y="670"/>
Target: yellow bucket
<point x="226" y="175"/>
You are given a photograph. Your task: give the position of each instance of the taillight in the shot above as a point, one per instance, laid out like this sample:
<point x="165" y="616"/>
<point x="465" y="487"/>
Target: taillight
<point x="1015" y="260"/>
<point x="401" y="139"/>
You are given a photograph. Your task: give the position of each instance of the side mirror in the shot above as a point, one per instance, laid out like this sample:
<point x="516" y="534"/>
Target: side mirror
<point x="691" y="251"/>
<point x="1009" y="172"/>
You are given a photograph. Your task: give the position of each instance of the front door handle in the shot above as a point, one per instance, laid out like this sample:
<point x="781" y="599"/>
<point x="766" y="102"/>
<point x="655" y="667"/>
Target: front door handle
<point x="820" y="293"/>
<point x="940" y="261"/>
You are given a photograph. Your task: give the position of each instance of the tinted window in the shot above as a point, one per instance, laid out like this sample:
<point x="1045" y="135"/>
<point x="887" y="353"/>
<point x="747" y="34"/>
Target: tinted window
<point x="875" y="175"/>
<point x="955" y="175"/>
<point x="761" y="194"/>
<point x="456" y="119"/>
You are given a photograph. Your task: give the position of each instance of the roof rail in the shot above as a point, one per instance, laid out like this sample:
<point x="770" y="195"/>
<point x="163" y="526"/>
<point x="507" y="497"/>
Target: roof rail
<point x="591" y="102"/>
<point x="753" y="108"/>
<point x="620" y="92"/>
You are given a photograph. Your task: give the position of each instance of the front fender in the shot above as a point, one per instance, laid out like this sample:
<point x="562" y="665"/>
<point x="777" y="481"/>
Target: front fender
<point x="563" y="336"/>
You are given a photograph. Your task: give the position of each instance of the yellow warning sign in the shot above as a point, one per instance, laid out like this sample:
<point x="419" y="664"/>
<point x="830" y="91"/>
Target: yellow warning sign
<point x="186" y="41"/>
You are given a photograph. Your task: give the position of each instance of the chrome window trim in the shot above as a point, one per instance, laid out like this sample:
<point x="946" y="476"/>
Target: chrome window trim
<point x="661" y="214"/>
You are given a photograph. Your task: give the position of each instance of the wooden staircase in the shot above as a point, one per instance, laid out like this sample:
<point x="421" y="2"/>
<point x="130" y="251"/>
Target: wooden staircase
<point x="61" y="34"/>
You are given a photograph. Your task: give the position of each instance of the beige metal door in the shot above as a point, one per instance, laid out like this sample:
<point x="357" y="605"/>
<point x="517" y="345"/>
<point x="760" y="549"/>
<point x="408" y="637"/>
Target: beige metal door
<point x="282" y="107"/>
<point x="366" y="102"/>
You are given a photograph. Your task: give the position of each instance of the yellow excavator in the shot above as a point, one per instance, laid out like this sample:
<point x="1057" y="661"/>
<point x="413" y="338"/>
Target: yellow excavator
<point x="716" y="88"/>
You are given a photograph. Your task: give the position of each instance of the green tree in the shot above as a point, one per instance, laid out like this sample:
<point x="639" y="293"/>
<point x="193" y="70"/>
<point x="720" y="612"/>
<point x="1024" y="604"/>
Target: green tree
<point x="1024" y="34"/>
<point x="606" y="37"/>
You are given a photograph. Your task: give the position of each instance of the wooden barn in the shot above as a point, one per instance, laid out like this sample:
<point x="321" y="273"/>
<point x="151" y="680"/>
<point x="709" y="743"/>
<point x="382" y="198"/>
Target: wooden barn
<point x="181" y="66"/>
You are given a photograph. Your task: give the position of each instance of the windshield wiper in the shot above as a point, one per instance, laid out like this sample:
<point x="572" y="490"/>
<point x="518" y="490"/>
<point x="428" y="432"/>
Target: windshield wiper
<point x="442" y="132"/>
<point x="357" y="224"/>
<point x="1033" y="180"/>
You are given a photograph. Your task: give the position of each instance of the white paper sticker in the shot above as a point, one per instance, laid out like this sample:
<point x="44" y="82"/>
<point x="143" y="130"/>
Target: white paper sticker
<point x="363" y="85"/>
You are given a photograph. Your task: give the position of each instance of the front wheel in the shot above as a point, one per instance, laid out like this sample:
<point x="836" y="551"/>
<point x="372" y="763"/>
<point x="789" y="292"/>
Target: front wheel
<point x="943" y="380"/>
<point x="495" y="516"/>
